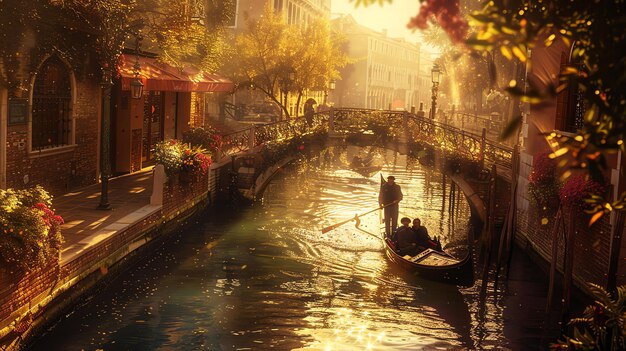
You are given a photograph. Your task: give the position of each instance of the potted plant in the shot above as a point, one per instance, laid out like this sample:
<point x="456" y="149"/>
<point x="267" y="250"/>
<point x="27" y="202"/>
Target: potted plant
<point x="195" y="162"/>
<point x="543" y="186"/>
<point x="30" y="231"/>
<point x="577" y="189"/>
<point x="205" y="137"/>
<point x="169" y="153"/>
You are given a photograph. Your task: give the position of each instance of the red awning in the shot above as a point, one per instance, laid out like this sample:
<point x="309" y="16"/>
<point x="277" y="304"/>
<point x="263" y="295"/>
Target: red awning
<point x="158" y="76"/>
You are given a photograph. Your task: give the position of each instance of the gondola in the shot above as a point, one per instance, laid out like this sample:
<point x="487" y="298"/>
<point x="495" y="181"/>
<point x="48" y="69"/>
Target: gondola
<point x="435" y="265"/>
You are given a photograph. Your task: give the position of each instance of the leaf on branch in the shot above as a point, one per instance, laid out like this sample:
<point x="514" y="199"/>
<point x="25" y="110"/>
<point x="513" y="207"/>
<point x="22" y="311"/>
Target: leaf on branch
<point x="569" y="70"/>
<point x="558" y="153"/>
<point x="506" y="52"/>
<point x="511" y="128"/>
<point x="595" y="217"/>
<point x="517" y="51"/>
<point x="479" y="44"/>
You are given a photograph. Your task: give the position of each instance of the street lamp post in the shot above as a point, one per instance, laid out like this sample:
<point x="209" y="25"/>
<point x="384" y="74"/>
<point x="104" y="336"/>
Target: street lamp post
<point x="436" y="77"/>
<point x="136" y="92"/>
<point x="105" y="163"/>
<point x="331" y="87"/>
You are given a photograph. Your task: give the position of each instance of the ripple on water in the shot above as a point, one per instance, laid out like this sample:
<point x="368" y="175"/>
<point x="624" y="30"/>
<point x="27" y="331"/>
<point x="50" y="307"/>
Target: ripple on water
<point x="267" y="279"/>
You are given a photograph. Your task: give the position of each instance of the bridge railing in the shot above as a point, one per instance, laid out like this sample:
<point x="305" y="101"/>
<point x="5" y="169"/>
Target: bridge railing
<point x="248" y="139"/>
<point x="399" y="124"/>
<point x="471" y="145"/>
<point x="358" y="120"/>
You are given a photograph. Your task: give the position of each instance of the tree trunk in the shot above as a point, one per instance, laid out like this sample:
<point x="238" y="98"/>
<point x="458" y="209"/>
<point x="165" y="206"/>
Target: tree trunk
<point x="271" y="96"/>
<point x="298" y="102"/>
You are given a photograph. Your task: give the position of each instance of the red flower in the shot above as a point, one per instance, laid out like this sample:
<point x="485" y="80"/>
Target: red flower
<point x="447" y="13"/>
<point x="599" y="316"/>
<point x="577" y="189"/>
<point x="543" y="169"/>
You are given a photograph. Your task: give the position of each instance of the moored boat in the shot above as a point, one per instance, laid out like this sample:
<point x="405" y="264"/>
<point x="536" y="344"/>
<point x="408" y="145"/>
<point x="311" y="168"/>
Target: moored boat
<point x="436" y="265"/>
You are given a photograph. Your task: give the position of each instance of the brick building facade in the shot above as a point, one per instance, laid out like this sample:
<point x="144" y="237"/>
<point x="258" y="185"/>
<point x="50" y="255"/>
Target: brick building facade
<point x="49" y="105"/>
<point x="592" y="246"/>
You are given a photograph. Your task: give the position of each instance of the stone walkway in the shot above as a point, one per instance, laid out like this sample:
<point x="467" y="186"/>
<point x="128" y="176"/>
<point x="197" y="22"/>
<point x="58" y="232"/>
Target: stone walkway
<point x="129" y="196"/>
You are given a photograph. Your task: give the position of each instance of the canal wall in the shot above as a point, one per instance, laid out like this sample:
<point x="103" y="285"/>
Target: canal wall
<point x="31" y="300"/>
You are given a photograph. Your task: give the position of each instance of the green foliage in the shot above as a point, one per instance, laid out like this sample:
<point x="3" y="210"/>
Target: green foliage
<point x="205" y="137"/>
<point x="181" y="34"/>
<point x="314" y="54"/>
<point x="603" y="324"/>
<point x="30" y="232"/>
<point x="275" y="57"/>
<point x="170" y="154"/>
<point x="112" y="21"/>
<point x="597" y="69"/>
<point x="543" y="185"/>
<point x="179" y="157"/>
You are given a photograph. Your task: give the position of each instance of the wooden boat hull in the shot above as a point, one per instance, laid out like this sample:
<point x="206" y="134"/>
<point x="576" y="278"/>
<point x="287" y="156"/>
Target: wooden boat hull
<point x="435" y="265"/>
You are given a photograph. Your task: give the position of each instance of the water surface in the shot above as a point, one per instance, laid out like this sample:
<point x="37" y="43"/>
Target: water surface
<point x="265" y="278"/>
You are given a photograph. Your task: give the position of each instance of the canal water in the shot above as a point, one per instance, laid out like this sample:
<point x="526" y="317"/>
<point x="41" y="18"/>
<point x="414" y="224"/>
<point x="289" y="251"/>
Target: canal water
<point x="266" y="278"/>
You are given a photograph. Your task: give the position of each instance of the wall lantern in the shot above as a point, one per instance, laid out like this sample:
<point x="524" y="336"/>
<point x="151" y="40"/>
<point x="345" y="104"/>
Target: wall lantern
<point x="332" y="85"/>
<point x="136" y="88"/>
<point x="136" y="85"/>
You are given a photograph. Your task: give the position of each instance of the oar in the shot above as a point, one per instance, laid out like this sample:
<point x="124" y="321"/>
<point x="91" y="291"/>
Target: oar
<point x="355" y="218"/>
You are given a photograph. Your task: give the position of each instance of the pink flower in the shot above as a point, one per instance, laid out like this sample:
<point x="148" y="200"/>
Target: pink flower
<point x="577" y="189"/>
<point x="447" y="13"/>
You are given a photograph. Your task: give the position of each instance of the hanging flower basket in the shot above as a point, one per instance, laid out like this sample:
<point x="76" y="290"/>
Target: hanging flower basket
<point x="543" y="186"/>
<point x="577" y="189"/>
<point x="182" y="161"/>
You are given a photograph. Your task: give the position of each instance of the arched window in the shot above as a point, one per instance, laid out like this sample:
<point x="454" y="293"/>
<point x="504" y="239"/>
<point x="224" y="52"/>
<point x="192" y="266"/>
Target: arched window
<point x="52" y="95"/>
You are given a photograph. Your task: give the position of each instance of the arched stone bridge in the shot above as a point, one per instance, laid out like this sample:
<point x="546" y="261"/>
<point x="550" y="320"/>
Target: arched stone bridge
<point x="402" y="126"/>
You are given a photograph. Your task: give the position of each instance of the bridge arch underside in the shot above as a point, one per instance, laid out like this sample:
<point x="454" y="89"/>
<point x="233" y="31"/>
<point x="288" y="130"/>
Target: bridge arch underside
<point x="469" y="158"/>
<point x="453" y="166"/>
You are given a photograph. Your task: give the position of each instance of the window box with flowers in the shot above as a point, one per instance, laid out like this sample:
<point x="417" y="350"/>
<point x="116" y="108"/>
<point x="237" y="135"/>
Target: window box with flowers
<point x="30" y="234"/>
<point x="182" y="160"/>
<point x="543" y="186"/>
<point x="195" y="162"/>
<point x="577" y="189"/>
<point x="206" y="137"/>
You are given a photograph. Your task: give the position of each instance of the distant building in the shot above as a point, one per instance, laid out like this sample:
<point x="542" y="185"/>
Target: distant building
<point x="386" y="72"/>
<point x="295" y="11"/>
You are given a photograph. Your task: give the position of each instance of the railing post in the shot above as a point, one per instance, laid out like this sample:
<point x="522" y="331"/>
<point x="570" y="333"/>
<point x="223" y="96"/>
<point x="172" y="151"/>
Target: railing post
<point x="482" y="148"/>
<point x="331" y="120"/>
<point x="405" y="127"/>
<point x="158" y="179"/>
<point x="251" y="141"/>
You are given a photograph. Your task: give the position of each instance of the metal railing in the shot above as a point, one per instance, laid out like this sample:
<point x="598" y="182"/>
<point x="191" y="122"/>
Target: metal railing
<point x="248" y="139"/>
<point x="398" y="124"/>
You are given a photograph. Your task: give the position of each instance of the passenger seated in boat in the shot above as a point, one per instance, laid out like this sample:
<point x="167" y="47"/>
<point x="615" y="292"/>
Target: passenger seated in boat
<point x="422" y="239"/>
<point x="405" y="239"/>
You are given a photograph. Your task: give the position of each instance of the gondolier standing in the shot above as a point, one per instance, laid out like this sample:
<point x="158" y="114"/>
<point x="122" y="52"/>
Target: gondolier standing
<point x="389" y="197"/>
